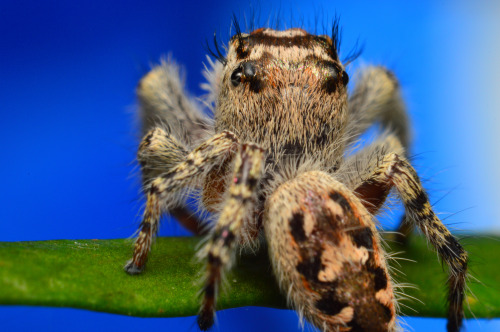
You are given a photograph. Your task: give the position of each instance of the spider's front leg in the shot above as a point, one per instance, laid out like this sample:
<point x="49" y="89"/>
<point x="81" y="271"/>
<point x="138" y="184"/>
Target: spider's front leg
<point x="164" y="103"/>
<point x="394" y="171"/>
<point x="158" y="153"/>
<point x="162" y="189"/>
<point x="238" y="209"/>
<point x="377" y="99"/>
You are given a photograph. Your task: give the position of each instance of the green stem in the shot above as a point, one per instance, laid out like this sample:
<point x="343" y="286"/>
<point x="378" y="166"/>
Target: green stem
<point x="88" y="274"/>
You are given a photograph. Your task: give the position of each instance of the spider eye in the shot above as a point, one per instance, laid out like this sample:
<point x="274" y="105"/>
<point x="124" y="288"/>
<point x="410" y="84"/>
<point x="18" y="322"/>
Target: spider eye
<point x="332" y="78"/>
<point x="248" y="70"/>
<point x="335" y="75"/>
<point x="245" y="71"/>
<point x="345" y="78"/>
<point x="332" y="71"/>
<point x="236" y="76"/>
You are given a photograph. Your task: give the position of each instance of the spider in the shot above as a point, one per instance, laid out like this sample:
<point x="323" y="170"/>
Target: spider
<point x="279" y="160"/>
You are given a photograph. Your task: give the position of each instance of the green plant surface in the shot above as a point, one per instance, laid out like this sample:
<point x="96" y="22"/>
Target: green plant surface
<point x="89" y="274"/>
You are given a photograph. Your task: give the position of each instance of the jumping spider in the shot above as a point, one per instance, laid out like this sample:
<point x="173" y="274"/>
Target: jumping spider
<point x="278" y="160"/>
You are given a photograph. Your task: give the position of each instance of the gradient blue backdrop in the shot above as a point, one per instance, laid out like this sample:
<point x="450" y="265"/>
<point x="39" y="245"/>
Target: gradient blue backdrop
<point x="68" y="70"/>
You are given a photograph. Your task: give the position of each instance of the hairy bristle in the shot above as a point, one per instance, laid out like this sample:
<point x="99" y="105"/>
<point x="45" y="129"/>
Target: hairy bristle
<point x="238" y="35"/>
<point x="355" y="51"/>
<point x="336" y="35"/>
<point x="353" y="54"/>
<point x="217" y="54"/>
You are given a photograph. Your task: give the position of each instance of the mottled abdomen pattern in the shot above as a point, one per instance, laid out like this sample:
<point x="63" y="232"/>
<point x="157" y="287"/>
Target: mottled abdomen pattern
<point x="327" y="255"/>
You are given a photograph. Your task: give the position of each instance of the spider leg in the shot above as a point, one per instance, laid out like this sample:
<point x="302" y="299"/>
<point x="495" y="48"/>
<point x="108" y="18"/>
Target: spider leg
<point x="163" y="99"/>
<point x="239" y="206"/>
<point x="376" y="98"/>
<point x="163" y="102"/>
<point x="327" y="255"/>
<point x="360" y="167"/>
<point x="395" y="171"/>
<point x="161" y="191"/>
<point x="158" y="153"/>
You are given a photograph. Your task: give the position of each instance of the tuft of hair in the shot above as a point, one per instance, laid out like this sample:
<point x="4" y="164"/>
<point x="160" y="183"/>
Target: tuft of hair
<point x="213" y="75"/>
<point x="216" y="52"/>
<point x="354" y="53"/>
<point x="237" y="34"/>
<point x="164" y="102"/>
<point x="336" y="37"/>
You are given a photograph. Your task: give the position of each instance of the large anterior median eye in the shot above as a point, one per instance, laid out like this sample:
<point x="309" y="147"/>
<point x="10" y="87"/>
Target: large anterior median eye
<point x="245" y="71"/>
<point x="248" y="70"/>
<point x="236" y="76"/>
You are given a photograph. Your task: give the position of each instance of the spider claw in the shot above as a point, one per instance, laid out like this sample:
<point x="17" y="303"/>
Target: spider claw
<point x="205" y="320"/>
<point x="132" y="269"/>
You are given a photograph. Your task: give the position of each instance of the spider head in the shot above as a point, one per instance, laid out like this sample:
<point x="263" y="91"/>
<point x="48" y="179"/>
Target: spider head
<point x="283" y="86"/>
<point x="268" y="59"/>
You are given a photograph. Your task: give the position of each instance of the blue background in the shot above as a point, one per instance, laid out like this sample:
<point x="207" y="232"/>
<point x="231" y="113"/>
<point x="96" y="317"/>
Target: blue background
<point x="68" y="70"/>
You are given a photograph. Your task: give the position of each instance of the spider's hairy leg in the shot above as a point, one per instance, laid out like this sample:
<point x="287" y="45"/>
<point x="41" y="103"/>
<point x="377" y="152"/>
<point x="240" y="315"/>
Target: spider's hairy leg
<point x="239" y="207"/>
<point x="162" y="99"/>
<point x="327" y="255"/>
<point x="377" y="98"/>
<point x="161" y="191"/>
<point x="360" y="166"/>
<point x="158" y="153"/>
<point x="394" y="171"/>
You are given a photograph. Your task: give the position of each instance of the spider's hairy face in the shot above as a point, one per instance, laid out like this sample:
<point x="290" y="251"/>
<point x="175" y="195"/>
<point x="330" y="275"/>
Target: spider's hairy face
<point x="285" y="90"/>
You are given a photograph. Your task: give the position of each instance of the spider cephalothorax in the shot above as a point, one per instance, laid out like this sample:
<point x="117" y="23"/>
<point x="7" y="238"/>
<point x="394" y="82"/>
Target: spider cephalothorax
<point x="284" y="90"/>
<point x="278" y="160"/>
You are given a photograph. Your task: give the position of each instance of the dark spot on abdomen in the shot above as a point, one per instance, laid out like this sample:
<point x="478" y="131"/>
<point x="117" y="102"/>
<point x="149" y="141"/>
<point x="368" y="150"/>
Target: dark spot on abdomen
<point x="310" y="268"/>
<point x="329" y="304"/>
<point x="339" y="199"/>
<point x="297" y="227"/>
<point x="362" y="237"/>
<point x="379" y="278"/>
<point x="387" y="313"/>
